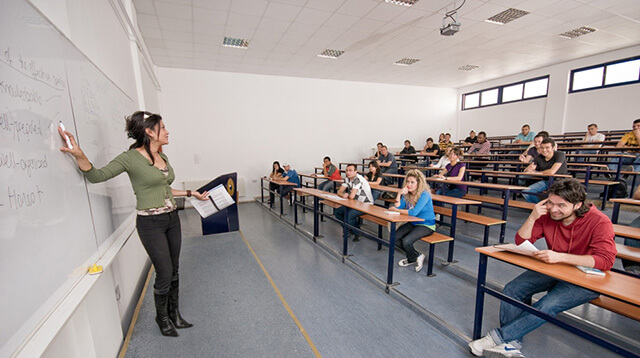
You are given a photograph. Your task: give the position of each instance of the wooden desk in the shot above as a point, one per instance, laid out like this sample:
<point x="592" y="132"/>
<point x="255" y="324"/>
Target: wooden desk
<point x="370" y="209"/>
<point x="280" y="182"/>
<point x="613" y="284"/>
<point x="616" y="207"/>
<point x="454" y="202"/>
<point x="506" y="189"/>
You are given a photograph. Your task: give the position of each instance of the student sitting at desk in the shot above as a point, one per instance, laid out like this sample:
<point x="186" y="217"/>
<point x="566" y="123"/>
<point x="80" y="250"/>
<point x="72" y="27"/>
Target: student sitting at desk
<point x="472" y="138"/>
<point x="453" y="171"/>
<point x="291" y="176"/>
<point x="414" y="200"/>
<point x="355" y="187"/>
<point x="387" y="164"/>
<point x="430" y="148"/>
<point x="444" y="160"/>
<point x="629" y="139"/>
<point x="446" y="142"/>
<point x="532" y="151"/>
<point x="374" y="176"/>
<point x="591" y="136"/>
<point x="408" y="148"/>
<point x="377" y="153"/>
<point x="548" y="161"/>
<point x="276" y="173"/>
<point x="576" y="233"/>
<point x="331" y="172"/>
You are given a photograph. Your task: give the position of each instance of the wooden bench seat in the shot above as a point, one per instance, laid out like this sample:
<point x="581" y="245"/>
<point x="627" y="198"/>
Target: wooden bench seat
<point x="330" y="203"/>
<point x="628" y="252"/>
<point x="626" y="231"/>
<point x="433" y="239"/>
<point x="619" y="307"/>
<point x="485" y="221"/>
<point x="500" y="201"/>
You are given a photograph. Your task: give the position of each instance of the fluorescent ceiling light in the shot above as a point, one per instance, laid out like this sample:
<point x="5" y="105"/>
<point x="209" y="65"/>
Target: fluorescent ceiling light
<point x="406" y="61"/>
<point x="468" y="67"/>
<point x="235" y="43"/>
<point x="328" y="53"/>
<point x="506" y="16"/>
<point x="577" y="32"/>
<point x="402" y="2"/>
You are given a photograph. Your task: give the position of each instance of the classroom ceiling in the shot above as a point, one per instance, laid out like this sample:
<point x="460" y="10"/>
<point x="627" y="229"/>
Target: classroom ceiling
<point x="286" y="36"/>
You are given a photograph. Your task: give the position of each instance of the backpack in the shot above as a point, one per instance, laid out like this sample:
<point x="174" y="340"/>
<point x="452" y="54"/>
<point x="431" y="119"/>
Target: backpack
<point x="621" y="190"/>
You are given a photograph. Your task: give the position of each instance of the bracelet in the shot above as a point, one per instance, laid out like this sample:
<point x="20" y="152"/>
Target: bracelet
<point x="188" y="193"/>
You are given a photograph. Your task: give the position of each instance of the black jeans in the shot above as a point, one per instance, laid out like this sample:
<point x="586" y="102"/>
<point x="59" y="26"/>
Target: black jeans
<point x="407" y="235"/>
<point x="275" y="187"/>
<point x="161" y="237"/>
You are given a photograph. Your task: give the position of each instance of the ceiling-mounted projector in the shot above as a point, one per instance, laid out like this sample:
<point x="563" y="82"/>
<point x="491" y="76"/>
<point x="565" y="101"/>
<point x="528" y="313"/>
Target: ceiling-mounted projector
<point x="450" y="29"/>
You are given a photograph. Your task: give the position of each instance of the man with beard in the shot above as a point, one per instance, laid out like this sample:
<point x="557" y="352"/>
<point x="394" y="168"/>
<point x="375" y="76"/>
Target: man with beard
<point x="576" y="233"/>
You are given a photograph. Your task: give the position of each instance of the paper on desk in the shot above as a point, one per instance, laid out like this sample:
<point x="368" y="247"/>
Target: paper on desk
<point x="526" y="248"/>
<point x="219" y="199"/>
<point x="333" y="197"/>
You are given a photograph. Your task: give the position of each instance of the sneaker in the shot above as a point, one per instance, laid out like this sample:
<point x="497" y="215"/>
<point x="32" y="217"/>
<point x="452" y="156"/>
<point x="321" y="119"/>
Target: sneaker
<point x="502" y="351"/>
<point x="356" y="238"/>
<point x="419" y="262"/>
<point x="478" y="346"/>
<point x="438" y="217"/>
<point x="405" y="263"/>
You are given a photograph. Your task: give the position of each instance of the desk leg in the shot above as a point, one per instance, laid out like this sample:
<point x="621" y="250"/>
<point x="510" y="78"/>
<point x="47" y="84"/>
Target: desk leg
<point x="587" y="177"/>
<point x="482" y="277"/>
<point x="505" y="210"/>
<point x="281" y="198"/>
<point x="261" y="191"/>
<point x="316" y="214"/>
<point x="452" y="233"/>
<point x="392" y="249"/>
<point x="295" y="207"/>
<point x="345" y="231"/>
<point x="616" y="212"/>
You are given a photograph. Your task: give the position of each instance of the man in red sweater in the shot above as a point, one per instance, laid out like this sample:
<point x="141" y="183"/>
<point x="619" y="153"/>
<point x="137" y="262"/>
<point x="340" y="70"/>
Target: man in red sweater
<point x="576" y="233"/>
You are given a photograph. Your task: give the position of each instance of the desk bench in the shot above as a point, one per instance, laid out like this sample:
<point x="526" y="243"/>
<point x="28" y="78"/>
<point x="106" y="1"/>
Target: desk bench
<point x="485" y="221"/>
<point x="500" y="201"/>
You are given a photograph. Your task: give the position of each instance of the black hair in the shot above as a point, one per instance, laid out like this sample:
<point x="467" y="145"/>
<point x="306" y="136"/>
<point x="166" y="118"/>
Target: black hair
<point x="636" y="121"/>
<point x="544" y="133"/>
<point x="352" y="165"/>
<point x="483" y="133"/>
<point x="327" y="158"/>
<point x="430" y="139"/>
<point x="407" y="141"/>
<point x="526" y="125"/>
<point x="374" y="163"/>
<point x="549" y="140"/>
<point x="572" y="191"/>
<point x="136" y="126"/>
<point x="273" y="170"/>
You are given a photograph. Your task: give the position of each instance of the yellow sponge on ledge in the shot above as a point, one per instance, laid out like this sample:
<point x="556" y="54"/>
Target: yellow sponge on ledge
<point x="95" y="269"/>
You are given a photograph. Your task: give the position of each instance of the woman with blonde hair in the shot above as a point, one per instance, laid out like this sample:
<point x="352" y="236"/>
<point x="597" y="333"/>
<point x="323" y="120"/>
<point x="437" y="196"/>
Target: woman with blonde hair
<point x="414" y="200"/>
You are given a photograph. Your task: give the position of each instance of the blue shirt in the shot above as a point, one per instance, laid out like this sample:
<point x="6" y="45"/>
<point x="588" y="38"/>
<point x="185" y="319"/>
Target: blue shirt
<point x="293" y="176"/>
<point x="423" y="209"/>
<point x="528" y="138"/>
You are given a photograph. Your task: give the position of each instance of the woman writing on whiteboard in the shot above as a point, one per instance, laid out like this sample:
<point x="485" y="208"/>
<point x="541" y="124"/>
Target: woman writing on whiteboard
<point x="157" y="223"/>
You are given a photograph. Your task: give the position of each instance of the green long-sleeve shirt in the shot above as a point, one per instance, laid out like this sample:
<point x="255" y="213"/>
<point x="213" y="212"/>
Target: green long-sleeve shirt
<point x="149" y="184"/>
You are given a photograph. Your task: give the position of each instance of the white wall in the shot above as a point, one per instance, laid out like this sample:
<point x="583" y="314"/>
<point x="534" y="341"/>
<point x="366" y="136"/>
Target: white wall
<point x="610" y="108"/>
<point x="243" y="122"/>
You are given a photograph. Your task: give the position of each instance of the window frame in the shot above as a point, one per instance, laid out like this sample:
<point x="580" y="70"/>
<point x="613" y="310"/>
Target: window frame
<point x="604" y="75"/>
<point x="501" y="91"/>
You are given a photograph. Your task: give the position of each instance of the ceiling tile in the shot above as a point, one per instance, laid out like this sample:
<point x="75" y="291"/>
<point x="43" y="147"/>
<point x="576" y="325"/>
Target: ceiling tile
<point x="217" y="4"/>
<point x="386" y="11"/>
<point x="249" y="7"/>
<point x="173" y="10"/>
<point x="242" y="20"/>
<point x="151" y="33"/>
<point x="144" y="6"/>
<point x="313" y="16"/>
<point x="341" y="21"/>
<point x="209" y="15"/>
<point x="182" y="36"/>
<point x="328" y="5"/>
<point x="204" y="28"/>
<point x="145" y="20"/>
<point x="282" y="11"/>
<point x="357" y="7"/>
<point x="175" y="24"/>
<point x="273" y="25"/>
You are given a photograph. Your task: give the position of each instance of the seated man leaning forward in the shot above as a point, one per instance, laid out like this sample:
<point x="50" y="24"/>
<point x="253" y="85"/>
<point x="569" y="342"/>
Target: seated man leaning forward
<point x="354" y="187"/>
<point x="548" y="161"/>
<point x="576" y="233"/>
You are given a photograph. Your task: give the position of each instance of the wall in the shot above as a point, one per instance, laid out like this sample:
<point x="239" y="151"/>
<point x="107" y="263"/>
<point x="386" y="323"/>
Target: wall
<point x="610" y="108"/>
<point x="243" y="122"/>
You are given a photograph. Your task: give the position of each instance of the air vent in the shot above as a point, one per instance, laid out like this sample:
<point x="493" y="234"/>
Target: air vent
<point x="235" y="43"/>
<point x="506" y="16"/>
<point x="331" y="53"/>
<point x="406" y="61"/>
<point x="468" y="67"/>
<point x="577" y="32"/>
<point x="402" y="2"/>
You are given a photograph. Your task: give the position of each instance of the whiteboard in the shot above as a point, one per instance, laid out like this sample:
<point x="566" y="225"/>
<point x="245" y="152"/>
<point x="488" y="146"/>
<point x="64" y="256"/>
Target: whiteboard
<point x="52" y="223"/>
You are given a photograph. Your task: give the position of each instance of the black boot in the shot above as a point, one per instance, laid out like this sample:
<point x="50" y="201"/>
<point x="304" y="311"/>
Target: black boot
<point x="162" y="315"/>
<point x="174" y="312"/>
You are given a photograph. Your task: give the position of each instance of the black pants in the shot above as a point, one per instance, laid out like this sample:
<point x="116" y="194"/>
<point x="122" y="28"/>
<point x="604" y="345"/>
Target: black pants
<point x="272" y="187"/>
<point x="161" y="237"/>
<point x="407" y="235"/>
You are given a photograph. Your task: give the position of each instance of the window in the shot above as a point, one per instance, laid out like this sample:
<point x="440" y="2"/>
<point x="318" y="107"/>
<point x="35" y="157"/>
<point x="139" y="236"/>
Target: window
<point x="609" y="74"/>
<point x="513" y="92"/>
